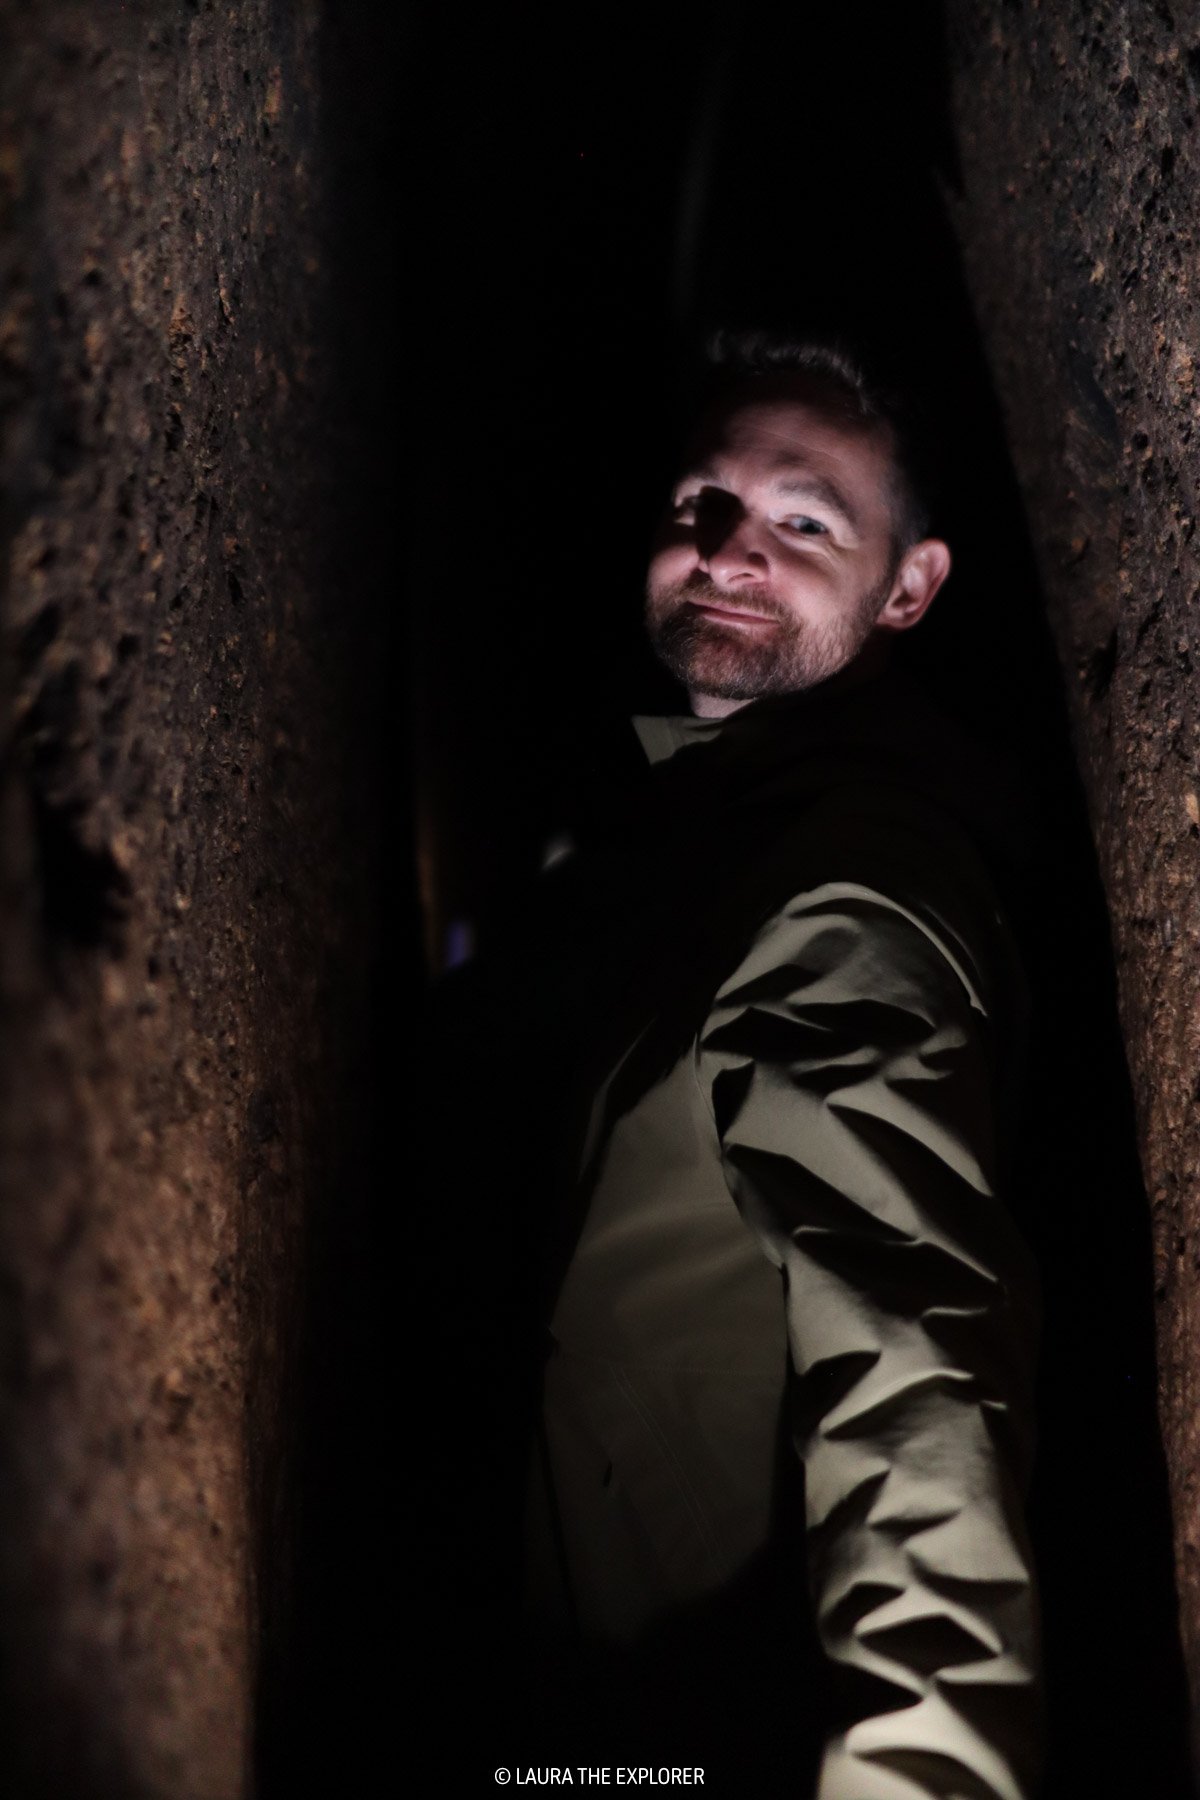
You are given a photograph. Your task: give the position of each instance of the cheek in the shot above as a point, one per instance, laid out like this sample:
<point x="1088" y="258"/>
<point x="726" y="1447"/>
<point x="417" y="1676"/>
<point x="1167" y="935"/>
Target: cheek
<point x="820" y="583"/>
<point x="809" y="588"/>
<point x="669" y="563"/>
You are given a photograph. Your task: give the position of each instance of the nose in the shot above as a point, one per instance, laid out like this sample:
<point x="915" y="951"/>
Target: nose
<point x="728" y="546"/>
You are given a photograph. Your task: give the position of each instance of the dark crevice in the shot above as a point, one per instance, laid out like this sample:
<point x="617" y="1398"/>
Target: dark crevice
<point x="84" y="894"/>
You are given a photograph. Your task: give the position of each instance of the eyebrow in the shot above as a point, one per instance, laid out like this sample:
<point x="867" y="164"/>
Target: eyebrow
<point x="819" y="487"/>
<point x="806" y="484"/>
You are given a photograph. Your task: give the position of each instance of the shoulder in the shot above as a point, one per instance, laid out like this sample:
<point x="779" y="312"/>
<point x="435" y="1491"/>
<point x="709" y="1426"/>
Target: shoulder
<point x="851" y="940"/>
<point x="847" y="989"/>
<point x="881" y="887"/>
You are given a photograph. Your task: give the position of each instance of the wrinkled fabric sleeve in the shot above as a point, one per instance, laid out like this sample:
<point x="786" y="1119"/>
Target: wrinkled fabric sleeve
<point x="851" y="1068"/>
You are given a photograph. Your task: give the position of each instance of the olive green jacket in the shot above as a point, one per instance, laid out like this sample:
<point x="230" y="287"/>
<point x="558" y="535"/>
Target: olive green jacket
<point x="794" y="1211"/>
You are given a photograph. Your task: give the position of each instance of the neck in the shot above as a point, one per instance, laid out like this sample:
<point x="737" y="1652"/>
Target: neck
<point x="710" y="706"/>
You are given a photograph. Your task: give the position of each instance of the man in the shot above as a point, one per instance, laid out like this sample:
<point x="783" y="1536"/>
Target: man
<point x="790" y="1322"/>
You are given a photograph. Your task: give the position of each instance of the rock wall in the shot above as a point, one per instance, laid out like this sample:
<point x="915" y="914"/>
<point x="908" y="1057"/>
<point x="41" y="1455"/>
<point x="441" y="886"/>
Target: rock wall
<point x="183" y="911"/>
<point x="1078" y="214"/>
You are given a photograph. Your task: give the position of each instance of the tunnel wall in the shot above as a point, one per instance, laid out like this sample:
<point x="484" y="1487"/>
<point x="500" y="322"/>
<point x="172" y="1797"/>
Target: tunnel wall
<point x="181" y="913"/>
<point x="1077" y="211"/>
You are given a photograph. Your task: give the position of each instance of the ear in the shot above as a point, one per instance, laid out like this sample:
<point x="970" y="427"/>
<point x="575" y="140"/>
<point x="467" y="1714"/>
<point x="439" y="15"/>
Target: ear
<point x="923" y="568"/>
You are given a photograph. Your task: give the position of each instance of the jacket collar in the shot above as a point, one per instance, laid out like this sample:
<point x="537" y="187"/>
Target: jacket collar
<point x="773" y="728"/>
<point x="884" y="732"/>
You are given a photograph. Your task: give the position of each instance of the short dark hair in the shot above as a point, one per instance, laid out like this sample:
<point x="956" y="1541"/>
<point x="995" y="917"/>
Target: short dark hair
<point x="733" y="358"/>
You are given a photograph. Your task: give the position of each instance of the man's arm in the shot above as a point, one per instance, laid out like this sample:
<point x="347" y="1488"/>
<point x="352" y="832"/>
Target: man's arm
<point x="850" y="1064"/>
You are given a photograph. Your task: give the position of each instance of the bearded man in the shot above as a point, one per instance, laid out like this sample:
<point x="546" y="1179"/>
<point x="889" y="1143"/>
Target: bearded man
<point x="775" y="1511"/>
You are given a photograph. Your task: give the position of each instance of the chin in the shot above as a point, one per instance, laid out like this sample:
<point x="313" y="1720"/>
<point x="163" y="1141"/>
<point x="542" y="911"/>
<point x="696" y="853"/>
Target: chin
<point x="723" y="678"/>
<point x="710" y="660"/>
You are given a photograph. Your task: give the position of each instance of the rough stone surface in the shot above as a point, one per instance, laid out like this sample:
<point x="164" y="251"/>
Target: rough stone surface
<point x="1079" y="218"/>
<point x="177" y="899"/>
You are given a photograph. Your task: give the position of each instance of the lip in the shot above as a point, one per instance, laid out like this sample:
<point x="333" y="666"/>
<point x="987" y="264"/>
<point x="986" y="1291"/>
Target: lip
<point x="733" y="615"/>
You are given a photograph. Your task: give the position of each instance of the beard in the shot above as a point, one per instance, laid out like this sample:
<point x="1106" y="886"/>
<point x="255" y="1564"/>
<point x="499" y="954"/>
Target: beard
<point x="728" y="662"/>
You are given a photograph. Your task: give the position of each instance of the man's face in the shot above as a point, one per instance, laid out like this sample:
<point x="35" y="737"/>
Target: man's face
<point x="778" y="555"/>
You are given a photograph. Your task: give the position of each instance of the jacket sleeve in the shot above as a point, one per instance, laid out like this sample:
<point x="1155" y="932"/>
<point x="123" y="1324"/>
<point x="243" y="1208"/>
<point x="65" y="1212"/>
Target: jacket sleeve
<point x="850" y="1063"/>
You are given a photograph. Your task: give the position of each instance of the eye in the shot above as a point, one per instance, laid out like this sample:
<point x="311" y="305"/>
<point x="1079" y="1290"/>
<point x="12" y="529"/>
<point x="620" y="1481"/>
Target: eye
<point x="802" y="525"/>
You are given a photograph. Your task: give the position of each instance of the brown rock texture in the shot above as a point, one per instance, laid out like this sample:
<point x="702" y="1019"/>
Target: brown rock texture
<point x="1079" y="220"/>
<point x="181" y="912"/>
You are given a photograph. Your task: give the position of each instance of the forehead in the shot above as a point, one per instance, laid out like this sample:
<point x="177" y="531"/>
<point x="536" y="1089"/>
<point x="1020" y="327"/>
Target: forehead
<point x="766" y="436"/>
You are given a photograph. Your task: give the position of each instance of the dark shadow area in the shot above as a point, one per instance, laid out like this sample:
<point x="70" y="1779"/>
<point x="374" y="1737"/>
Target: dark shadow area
<point x="332" y="1548"/>
<point x="588" y="195"/>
